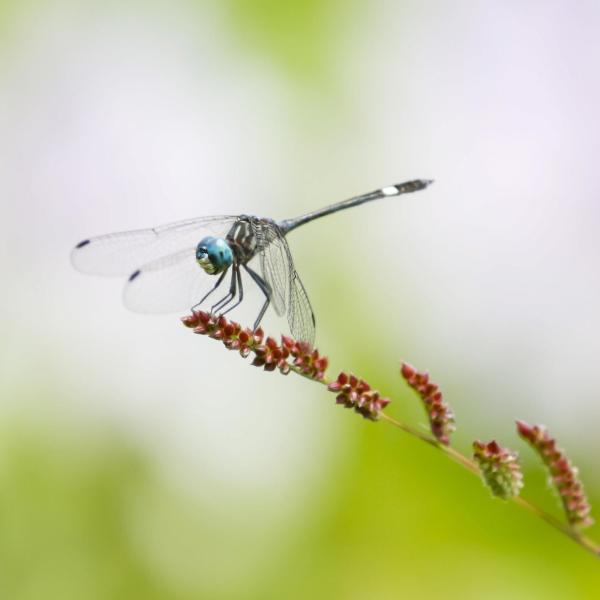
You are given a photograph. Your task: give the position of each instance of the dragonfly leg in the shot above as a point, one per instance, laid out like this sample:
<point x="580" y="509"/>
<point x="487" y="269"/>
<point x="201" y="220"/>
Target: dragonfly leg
<point x="223" y="302"/>
<point x="265" y="288"/>
<point x="210" y="291"/>
<point x="238" y="275"/>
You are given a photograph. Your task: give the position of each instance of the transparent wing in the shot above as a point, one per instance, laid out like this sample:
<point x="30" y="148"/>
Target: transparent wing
<point x="275" y="264"/>
<point x="171" y="283"/>
<point x="287" y="291"/>
<point x="300" y="313"/>
<point x="123" y="252"/>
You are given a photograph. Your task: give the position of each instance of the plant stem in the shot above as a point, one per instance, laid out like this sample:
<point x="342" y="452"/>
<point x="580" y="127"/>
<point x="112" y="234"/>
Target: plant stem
<point x="207" y="324"/>
<point x="471" y="466"/>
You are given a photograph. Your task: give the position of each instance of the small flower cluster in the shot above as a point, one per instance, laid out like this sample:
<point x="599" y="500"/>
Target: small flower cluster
<point x="268" y="354"/>
<point x="357" y="394"/>
<point x="271" y="356"/>
<point x="563" y="474"/>
<point x="233" y="336"/>
<point x="306" y="359"/>
<point x="498" y="466"/>
<point x="500" y="469"/>
<point x="441" y="417"/>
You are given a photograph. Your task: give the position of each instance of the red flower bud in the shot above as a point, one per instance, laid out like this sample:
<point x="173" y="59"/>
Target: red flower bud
<point x="562" y="473"/>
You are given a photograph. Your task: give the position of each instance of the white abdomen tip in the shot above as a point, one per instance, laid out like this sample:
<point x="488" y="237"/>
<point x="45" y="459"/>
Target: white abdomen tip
<point x="390" y="190"/>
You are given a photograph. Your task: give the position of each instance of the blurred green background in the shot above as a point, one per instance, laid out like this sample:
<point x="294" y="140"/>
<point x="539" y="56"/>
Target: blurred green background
<point x="140" y="461"/>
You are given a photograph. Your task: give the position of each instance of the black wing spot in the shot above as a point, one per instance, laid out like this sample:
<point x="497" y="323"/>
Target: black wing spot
<point x="82" y="244"/>
<point x="134" y="275"/>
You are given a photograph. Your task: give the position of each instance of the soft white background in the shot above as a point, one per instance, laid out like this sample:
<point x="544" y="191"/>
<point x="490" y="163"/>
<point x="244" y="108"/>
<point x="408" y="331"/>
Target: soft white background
<point x="490" y="279"/>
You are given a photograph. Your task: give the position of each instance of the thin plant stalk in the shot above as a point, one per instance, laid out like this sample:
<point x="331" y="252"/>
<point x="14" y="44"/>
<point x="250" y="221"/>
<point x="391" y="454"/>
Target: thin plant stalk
<point x="302" y="359"/>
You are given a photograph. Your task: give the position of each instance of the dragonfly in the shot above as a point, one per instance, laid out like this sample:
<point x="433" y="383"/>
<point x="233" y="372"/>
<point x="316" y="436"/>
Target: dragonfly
<point x="182" y="264"/>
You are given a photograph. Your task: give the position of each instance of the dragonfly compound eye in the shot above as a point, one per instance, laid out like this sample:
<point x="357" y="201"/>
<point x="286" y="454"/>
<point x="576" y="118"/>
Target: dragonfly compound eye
<point x="214" y="255"/>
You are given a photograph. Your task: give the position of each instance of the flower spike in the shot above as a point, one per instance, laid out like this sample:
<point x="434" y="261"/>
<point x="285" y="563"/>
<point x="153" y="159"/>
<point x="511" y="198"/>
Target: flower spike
<point x="357" y="394"/>
<point x="271" y="356"/>
<point x="306" y="359"/>
<point x="499" y="468"/>
<point x="268" y="354"/>
<point x="441" y="417"/>
<point x="563" y="474"/>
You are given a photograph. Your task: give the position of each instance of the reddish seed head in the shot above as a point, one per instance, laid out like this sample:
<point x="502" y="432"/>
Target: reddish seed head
<point x="407" y="371"/>
<point x="357" y="394"/>
<point x="499" y="468"/>
<point x="562" y="473"/>
<point x="268" y="353"/>
<point x="287" y="342"/>
<point x="306" y="359"/>
<point x="493" y="447"/>
<point x="524" y="430"/>
<point x="441" y="418"/>
<point x="190" y="320"/>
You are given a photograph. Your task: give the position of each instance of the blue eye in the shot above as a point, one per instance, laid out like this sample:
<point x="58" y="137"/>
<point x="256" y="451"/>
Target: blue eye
<point x="214" y="255"/>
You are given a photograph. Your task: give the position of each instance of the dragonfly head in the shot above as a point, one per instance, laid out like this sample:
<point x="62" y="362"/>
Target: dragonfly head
<point x="214" y="255"/>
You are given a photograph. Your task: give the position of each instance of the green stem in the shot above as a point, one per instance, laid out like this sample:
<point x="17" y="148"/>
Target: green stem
<point x="571" y="532"/>
<point x="472" y="467"/>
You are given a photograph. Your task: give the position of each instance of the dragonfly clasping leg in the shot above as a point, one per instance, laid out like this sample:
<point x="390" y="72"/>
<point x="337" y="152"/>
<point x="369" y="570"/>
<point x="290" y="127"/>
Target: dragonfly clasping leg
<point x="209" y="292"/>
<point x="223" y="302"/>
<point x="238" y="274"/>
<point x="265" y="288"/>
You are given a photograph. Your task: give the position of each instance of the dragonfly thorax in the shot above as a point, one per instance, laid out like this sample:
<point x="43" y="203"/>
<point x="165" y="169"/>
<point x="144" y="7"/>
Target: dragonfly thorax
<point x="214" y="255"/>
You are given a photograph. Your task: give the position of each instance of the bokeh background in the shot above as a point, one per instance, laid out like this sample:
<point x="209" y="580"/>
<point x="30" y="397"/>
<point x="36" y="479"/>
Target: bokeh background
<point x="140" y="461"/>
